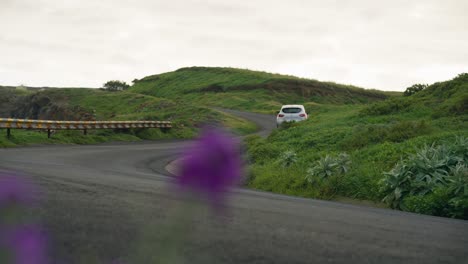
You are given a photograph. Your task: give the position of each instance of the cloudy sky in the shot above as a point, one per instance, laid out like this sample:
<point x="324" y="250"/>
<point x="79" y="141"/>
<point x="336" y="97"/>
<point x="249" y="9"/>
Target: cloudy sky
<point x="387" y="45"/>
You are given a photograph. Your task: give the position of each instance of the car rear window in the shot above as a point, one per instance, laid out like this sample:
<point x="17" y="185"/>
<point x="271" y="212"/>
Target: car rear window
<point x="291" y="110"/>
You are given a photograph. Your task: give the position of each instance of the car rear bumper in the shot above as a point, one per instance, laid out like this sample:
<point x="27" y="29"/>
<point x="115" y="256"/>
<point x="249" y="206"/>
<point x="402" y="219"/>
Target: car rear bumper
<point x="279" y="121"/>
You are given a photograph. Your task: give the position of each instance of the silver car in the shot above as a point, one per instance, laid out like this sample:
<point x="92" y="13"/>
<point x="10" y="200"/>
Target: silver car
<point x="291" y="113"/>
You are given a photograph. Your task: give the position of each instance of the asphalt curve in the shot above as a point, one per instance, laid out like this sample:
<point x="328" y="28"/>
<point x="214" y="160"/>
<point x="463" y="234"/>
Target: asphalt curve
<point x="103" y="202"/>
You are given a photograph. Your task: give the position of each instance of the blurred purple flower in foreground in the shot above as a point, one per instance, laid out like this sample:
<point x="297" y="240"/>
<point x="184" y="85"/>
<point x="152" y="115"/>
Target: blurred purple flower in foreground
<point x="26" y="243"/>
<point x="211" y="166"/>
<point x="14" y="191"/>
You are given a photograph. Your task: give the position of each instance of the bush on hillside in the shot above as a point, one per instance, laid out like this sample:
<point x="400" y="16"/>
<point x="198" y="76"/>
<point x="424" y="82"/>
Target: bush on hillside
<point x="328" y="174"/>
<point x="460" y="107"/>
<point x="397" y="132"/>
<point x="414" y="89"/>
<point x="390" y="106"/>
<point x="329" y="166"/>
<point x="456" y="107"/>
<point x="438" y="203"/>
<point x="116" y="85"/>
<point x="287" y="158"/>
<point x="259" y="151"/>
<point x="432" y="181"/>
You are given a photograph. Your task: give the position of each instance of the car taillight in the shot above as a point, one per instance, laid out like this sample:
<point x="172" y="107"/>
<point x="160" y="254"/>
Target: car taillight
<point x="302" y="115"/>
<point x="280" y="115"/>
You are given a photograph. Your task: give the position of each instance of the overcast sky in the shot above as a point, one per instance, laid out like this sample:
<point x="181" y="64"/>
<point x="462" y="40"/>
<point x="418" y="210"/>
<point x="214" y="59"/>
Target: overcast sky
<point x="387" y="45"/>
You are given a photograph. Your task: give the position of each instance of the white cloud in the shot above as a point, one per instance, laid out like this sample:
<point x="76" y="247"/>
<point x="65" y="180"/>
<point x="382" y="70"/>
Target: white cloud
<point x="361" y="42"/>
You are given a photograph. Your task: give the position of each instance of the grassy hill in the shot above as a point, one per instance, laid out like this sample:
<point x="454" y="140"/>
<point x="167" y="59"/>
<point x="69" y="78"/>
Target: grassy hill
<point x="249" y="90"/>
<point x="96" y="104"/>
<point x="185" y="96"/>
<point x="402" y="150"/>
<point x="449" y="98"/>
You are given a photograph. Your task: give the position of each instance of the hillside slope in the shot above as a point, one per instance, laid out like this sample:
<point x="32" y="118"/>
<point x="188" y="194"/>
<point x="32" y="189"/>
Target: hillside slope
<point x="449" y="98"/>
<point x="249" y="90"/>
<point x="8" y="97"/>
<point x="96" y="104"/>
<point x="344" y="151"/>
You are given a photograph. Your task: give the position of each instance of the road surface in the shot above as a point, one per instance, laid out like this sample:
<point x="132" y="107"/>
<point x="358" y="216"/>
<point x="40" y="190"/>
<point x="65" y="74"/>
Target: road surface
<point x="111" y="201"/>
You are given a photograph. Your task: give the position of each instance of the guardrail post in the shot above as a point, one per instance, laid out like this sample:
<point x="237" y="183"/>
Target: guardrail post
<point x="48" y="133"/>
<point x="8" y="132"/>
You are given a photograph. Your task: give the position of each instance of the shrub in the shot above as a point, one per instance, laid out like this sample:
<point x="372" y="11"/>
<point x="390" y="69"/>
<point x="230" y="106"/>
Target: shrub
<point x="259" y="151"/>
<point x="288" y="158"/>
<point x="390" y="106"/>
<point x="414" y="89"/>
<point x="328" y="166"/>
<point x="458" y="183"/>
<point x="342" y="163"/>
<point x="328" y="174"/>
<point x="459" y="106"/>
<point x="396" y="184"/>
<point x="115" y="85"/>
<point x="458" y="208"/>
<point x="432" y="168"/>
<point x="325" y="168"/>
<point x="279" y="179"/>
<point x="441" y="202"/>
<point x="431" y="204"/>
<point x="460" y="147"/>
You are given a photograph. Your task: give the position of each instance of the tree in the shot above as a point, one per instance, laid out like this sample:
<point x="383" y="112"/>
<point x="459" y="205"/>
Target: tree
<point x="116" y="85"/>
<point x="414" y="89"/>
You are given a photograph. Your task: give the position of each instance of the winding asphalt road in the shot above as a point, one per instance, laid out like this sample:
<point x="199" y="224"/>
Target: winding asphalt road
<point x="104" y="202"/>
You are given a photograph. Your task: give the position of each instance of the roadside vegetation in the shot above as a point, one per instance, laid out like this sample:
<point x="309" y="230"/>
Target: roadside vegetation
<point x="408" y="153"/>
<point x="95" y="104"/>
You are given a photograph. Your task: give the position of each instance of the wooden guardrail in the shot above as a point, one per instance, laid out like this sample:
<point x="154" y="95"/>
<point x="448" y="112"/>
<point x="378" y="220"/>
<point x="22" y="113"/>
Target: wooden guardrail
<point x="11" y="123"/>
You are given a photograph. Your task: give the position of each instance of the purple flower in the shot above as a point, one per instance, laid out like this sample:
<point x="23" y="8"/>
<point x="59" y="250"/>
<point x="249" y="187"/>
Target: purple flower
<point x="14" y="190"/>
<point x="26" y="243"/>
<point x="211" y="166"/>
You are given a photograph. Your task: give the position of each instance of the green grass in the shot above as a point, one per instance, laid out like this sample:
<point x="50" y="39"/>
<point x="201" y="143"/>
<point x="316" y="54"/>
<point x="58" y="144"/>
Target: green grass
<point x="249" y="90"/>
<point x="20" y="137"/>
<point x="82" y="103"/>
<point x="375" y="136"/>
<point x="449" y="98"/>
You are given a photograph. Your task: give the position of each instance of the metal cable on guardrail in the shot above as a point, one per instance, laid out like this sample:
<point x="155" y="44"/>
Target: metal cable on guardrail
<point x="11" y="123"/>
